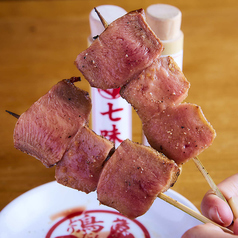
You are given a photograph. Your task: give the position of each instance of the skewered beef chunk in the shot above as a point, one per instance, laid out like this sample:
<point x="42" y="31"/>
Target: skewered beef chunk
<point x="121" y="52"/>
<point x="158" y="86"/>
<point x="46" y="129"/>
<point x="133" y="177"/>
<point x="83" y="162"/>
<point x="181" y="132"/>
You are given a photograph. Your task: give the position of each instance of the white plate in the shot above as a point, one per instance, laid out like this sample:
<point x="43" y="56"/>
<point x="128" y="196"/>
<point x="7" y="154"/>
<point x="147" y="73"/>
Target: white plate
<point x="55" y="211"/>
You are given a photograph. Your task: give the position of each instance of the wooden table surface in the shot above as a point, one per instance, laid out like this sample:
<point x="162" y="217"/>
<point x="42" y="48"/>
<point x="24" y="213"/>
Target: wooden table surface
<point x="39" y="41"/>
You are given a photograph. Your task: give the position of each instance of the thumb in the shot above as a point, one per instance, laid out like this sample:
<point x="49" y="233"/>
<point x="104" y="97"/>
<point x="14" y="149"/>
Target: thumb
<point x="216" y="209"/>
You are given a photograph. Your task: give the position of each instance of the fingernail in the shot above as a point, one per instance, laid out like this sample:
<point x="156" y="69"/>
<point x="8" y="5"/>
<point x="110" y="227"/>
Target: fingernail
<point x="233" y="202"/>
<point x="214" y="215"/>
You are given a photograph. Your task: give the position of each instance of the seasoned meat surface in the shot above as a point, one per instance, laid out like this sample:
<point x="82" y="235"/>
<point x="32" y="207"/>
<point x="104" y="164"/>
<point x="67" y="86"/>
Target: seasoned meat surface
<point x="181" y="132"/>
<point x="121" y="52"/>
<point x="83" y="162"/>
<point x="46" y="129"/>
<point x="160" y="85"/>
<point x="133" y="177"/>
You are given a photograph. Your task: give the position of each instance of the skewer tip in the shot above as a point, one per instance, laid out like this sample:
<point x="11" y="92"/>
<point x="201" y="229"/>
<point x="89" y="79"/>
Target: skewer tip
<point x="104" y="22"/>
<point x="13" y="114"/>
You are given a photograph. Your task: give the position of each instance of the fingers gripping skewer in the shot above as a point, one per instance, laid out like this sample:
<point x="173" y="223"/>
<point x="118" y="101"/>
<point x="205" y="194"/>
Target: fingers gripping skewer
<point x="189" y="211"/>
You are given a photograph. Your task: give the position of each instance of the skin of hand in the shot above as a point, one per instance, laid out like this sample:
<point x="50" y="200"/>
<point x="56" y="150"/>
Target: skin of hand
<point x="207" y="231"/>
<point x="219" y="211"/>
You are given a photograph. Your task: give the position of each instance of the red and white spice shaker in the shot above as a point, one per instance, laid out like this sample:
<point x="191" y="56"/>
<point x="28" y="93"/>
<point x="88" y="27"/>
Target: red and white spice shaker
<point x="111" y="114"/>
<point x="165" y="21"/>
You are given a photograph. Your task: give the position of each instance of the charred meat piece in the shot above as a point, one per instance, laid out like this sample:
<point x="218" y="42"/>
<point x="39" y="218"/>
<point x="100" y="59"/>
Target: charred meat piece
<point x="83" y="162"/>
<point x="158" y="86"/>
<point x="133" y="177"/>
<point x="121" y="52"/>
<point x="46" y="129"/>
<point x="181" y="132"/>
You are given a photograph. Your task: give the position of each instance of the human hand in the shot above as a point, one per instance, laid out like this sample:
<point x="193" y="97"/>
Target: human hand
<point x="217" y="210"/>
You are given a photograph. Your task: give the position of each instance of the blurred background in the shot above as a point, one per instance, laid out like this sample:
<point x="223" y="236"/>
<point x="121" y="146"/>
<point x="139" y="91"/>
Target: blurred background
<point x="39" y="41"/>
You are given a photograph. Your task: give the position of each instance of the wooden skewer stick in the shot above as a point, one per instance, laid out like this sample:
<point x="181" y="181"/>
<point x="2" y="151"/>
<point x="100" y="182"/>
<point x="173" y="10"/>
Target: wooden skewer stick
<point x="208" y="178"/>
<point x="189" y="211"/>
<point x="104" y="22"/>
<point x="233" y="202"/>
<point x="13" y="114"/>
